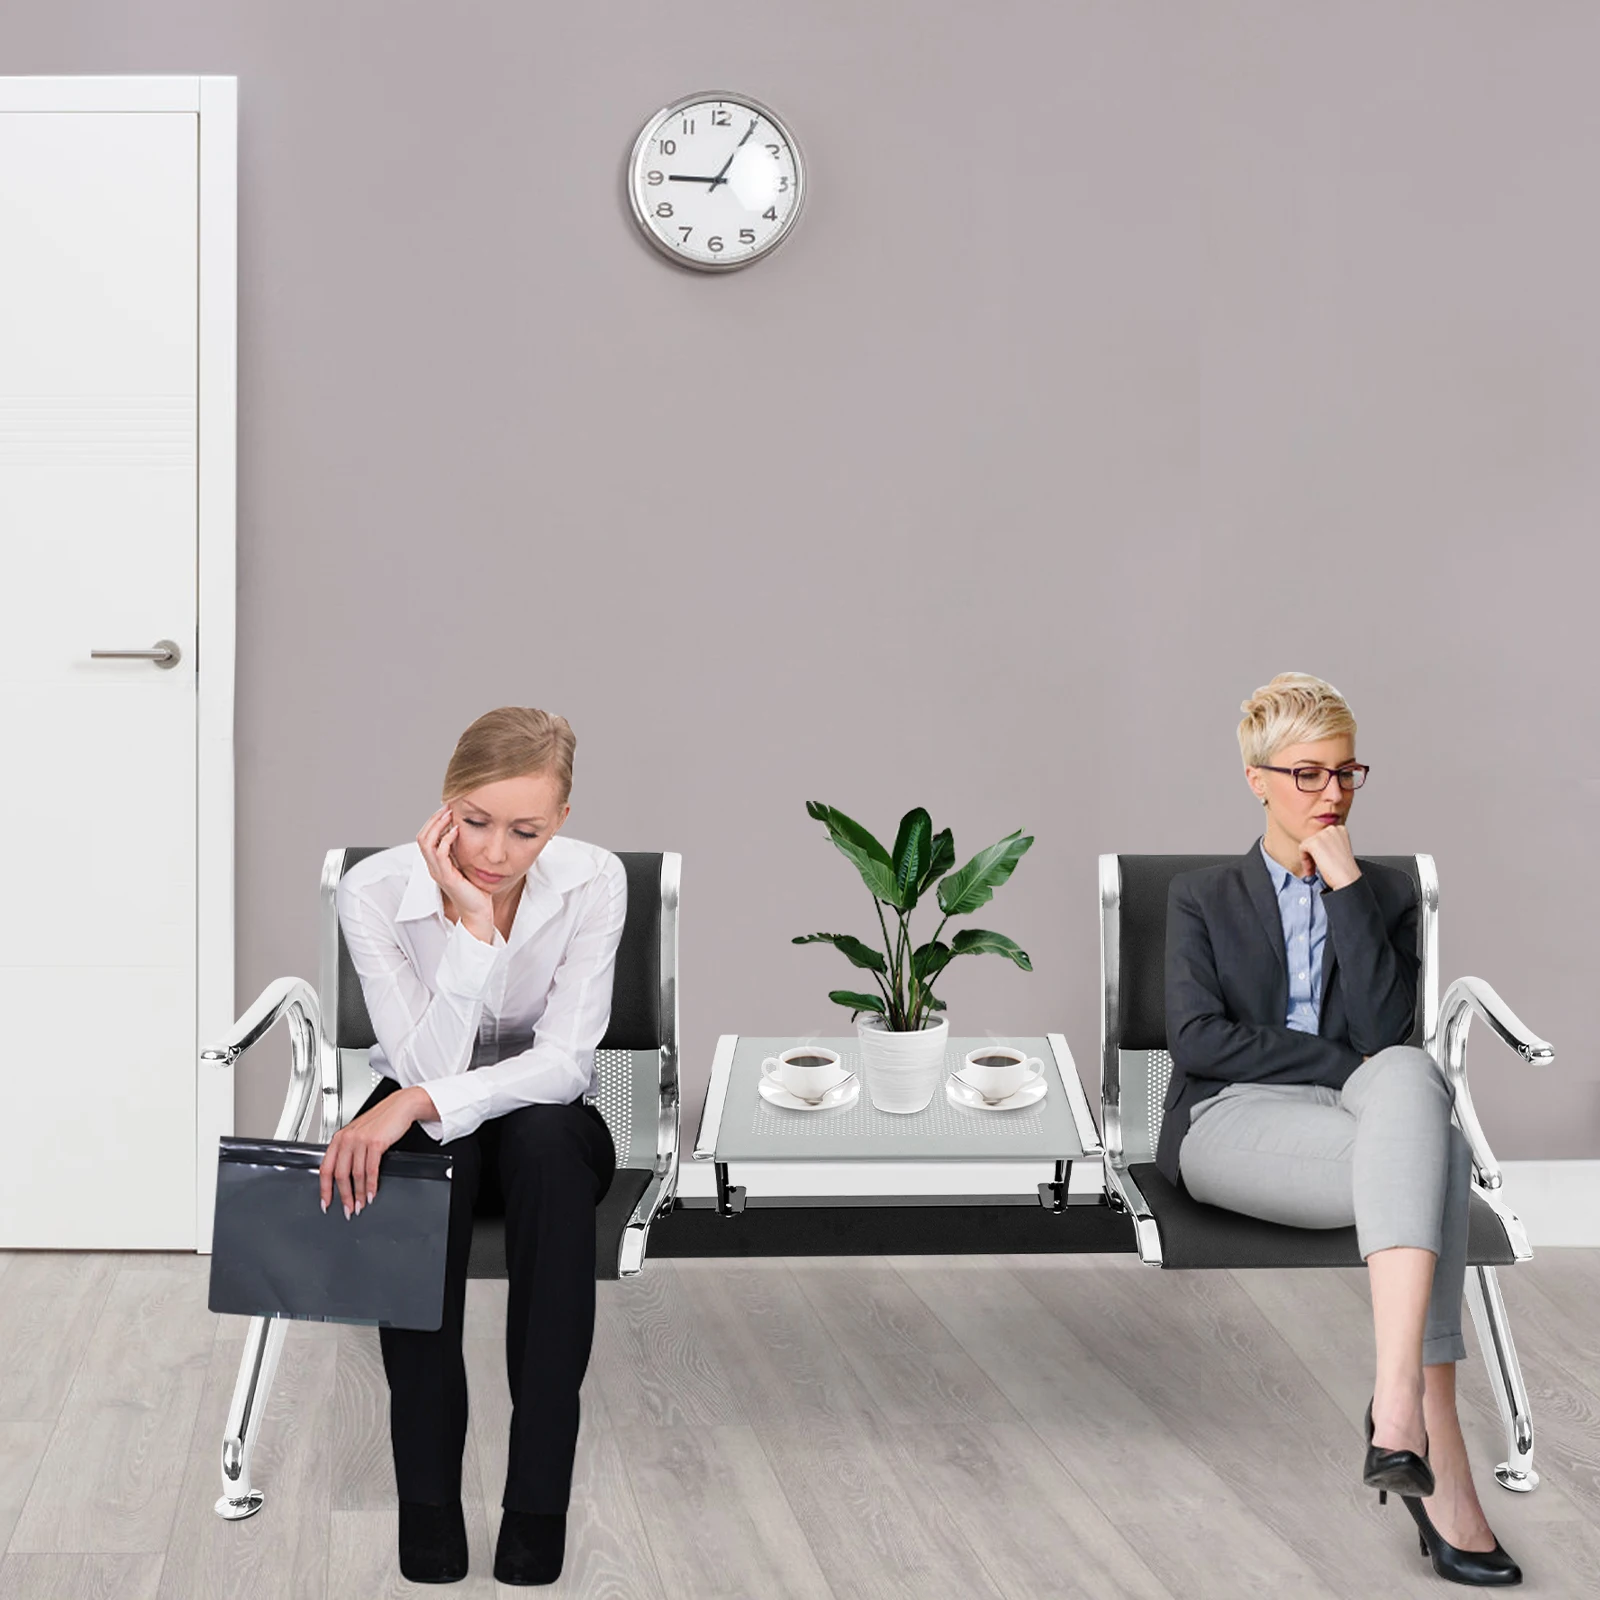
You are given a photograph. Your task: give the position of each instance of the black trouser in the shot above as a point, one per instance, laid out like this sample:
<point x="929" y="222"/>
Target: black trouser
<point x="551" y="1165"/>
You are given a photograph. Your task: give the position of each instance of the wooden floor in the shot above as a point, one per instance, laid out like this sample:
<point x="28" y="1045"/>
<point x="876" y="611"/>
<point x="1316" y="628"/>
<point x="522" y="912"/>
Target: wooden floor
<point x="927" y="1427"/>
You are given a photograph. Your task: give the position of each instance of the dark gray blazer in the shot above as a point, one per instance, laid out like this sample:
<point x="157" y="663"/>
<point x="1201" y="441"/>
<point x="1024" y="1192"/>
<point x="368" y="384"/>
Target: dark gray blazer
<point x="1228" y="985"/>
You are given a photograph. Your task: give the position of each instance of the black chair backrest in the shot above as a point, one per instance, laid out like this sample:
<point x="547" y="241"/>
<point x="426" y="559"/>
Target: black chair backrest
<point x="636" y="1022"/>
<point x="1142" y="943"/>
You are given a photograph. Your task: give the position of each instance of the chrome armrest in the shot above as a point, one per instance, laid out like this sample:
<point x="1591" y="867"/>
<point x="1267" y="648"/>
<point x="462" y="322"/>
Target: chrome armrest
<point x="1464" y="997"/>
<point x="295" y="1001"/>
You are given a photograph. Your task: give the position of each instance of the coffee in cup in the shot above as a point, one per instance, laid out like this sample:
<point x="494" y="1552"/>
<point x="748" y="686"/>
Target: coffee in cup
<point x="806" y="1071"/>
<point x="998" y="1071"/>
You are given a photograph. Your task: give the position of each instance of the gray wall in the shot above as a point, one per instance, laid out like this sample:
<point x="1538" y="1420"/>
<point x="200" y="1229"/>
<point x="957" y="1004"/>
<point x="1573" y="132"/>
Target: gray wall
<point x="1126" y="354"/>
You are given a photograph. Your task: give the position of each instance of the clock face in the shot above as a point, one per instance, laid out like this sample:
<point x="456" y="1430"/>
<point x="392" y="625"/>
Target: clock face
<point x="715" y="181"/>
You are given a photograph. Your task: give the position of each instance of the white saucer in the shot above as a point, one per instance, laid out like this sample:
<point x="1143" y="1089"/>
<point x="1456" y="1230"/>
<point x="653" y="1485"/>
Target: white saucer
<point x="841" y="1094"/>
<point x="963" y="1094"/>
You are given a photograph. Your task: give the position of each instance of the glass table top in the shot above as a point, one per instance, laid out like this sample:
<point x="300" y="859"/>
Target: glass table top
<point x="738" y="1125"/>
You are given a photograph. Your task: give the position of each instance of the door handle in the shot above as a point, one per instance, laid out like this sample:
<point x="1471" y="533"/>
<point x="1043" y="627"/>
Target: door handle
<point x="165" y="654"/>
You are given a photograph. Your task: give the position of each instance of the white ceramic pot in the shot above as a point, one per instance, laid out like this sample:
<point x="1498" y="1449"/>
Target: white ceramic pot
<point x="902" y="1069"/>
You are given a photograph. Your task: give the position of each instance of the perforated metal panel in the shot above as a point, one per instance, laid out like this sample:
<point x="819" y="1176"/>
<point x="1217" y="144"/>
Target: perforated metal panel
<point x="628" y="1093"/>
<point x="357" y="1079"/>
<point x="1145" y="1075"/>
<point x="615" y="1070"/>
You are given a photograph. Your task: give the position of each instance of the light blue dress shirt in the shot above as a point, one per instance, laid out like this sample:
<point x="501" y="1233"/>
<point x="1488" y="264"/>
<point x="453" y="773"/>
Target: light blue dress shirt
<point x="1305" y="932"/>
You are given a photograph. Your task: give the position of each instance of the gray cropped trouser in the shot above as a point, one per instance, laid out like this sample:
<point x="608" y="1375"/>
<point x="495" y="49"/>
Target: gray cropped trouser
<point x="1381" y="1152"/>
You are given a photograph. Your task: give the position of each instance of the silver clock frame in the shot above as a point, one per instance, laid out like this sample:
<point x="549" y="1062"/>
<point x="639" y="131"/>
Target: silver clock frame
<point x="720" y="97"/>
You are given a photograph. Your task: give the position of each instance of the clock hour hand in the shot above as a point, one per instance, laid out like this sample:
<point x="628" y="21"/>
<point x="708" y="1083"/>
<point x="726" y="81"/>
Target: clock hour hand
<point x="722" y="177"/>
<point x="680" y="177"/>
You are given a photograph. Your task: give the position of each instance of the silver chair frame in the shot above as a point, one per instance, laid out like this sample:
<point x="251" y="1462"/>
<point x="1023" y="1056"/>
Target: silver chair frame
<point x="315" y="1063"/>
<point x="1445" y="1027"/>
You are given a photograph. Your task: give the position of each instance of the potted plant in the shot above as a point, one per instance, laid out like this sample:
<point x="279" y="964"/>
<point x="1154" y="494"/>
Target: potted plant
<point x="902" y="1029"/>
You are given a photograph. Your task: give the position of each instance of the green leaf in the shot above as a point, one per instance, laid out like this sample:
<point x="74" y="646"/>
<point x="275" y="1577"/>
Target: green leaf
<point x="857" y="1002"/>
<point x="838" y="824"/>
<point x="929" y="960"/>
<point x="853" y="841"/>
<point x="941" y="860"/>
<point x="860" y="954"/>
<point x="980" y="942"/>
<point x="974" y="885"/>
<point x="913" y="847"/>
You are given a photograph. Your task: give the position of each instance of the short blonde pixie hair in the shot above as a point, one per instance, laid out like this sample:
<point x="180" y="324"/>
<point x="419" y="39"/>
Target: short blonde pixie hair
<point x="511" y="742"/>
<point x="1294" y="708"/>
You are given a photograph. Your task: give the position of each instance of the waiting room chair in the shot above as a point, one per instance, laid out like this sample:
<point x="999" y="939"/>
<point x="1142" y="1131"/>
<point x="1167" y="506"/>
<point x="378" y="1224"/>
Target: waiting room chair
<point x="330" y="1036"/>
<point x="1174" y="1230"/>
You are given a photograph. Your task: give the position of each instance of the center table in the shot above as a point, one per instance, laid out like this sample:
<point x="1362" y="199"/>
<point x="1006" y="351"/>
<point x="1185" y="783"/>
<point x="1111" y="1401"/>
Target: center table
<point x="737" y="1124"/>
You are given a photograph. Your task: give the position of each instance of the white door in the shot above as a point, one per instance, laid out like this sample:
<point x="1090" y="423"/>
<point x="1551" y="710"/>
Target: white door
<point x="99" y="487"/>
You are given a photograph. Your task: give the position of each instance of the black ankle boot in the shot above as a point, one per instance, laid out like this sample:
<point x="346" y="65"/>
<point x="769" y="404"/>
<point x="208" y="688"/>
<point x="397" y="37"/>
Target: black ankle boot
<point x="433" y="1542"/>
<point x="531" y="1547"/>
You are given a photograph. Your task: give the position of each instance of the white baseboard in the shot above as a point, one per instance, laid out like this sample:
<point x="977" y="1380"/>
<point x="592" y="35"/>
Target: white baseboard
<point x="1558" y="1201"/>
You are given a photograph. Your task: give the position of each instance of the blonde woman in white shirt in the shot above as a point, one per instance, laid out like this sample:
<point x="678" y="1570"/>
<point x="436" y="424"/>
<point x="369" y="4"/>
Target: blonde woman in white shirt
<point x="486" y="952"/>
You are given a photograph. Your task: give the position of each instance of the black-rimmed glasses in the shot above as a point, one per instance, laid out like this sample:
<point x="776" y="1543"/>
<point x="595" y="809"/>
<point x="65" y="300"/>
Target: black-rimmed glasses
<point x="1313" y="780"/>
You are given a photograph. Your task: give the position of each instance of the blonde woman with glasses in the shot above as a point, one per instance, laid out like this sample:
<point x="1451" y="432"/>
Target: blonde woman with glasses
<point x="1291" y="985"/>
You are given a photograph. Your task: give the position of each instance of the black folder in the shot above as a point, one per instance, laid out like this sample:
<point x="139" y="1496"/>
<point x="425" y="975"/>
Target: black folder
<point x="274" y="1252"/>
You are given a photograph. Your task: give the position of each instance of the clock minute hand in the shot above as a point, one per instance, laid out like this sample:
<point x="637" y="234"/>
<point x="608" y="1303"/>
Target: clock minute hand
<point x="721" y="177"/>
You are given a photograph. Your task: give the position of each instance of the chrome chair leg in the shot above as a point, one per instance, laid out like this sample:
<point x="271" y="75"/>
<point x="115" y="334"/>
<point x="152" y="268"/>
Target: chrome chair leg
<point x="1500" y="1356"/>
<point x="256" y="1371"/>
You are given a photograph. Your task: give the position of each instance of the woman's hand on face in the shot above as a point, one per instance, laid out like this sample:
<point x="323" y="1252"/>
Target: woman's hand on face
<point x="350" y="1162"/>
<point x="473" y="905"/>
<point x="1328" y="852"/>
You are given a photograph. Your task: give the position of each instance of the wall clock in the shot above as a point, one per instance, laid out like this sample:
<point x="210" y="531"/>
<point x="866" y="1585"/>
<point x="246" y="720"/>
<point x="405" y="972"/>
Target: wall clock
<point x="716" y="181"/>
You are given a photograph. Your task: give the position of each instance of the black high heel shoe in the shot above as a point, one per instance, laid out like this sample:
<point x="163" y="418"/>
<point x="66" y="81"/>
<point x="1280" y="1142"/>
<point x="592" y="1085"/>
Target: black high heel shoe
<point x="1404" y="1471"/>
<point x="1485" y="1568"/>
<point x="433" y="1542"/>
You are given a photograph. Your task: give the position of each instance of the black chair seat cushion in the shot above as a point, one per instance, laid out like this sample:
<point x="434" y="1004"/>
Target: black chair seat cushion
<point x="1197" y="1235"/>
<point x="488" y="1255"/>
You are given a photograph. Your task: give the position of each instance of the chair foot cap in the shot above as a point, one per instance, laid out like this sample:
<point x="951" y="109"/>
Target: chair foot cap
<point x="1517" y="1482"/>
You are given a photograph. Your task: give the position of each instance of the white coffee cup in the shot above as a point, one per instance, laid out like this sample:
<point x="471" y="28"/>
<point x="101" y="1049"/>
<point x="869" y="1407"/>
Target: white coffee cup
<point x="997" y="1071"/>
<point x="807" y="1071"/>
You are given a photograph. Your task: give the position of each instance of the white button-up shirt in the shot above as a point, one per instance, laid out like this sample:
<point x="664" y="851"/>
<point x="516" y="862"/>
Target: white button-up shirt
<point x="487" y="1028"/>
